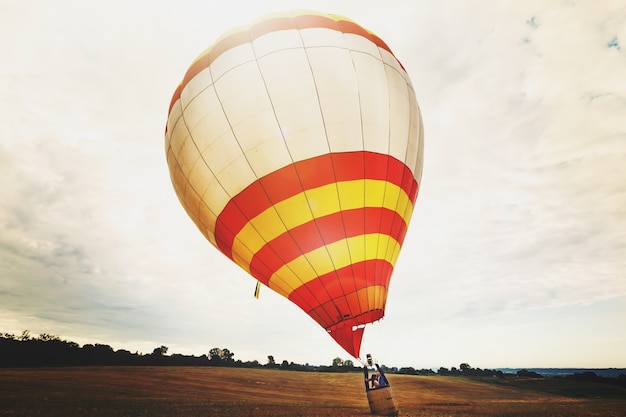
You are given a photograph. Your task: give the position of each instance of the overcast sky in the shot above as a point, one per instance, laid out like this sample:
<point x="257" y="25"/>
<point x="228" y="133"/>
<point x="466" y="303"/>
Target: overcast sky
<point x="516" y="254"/>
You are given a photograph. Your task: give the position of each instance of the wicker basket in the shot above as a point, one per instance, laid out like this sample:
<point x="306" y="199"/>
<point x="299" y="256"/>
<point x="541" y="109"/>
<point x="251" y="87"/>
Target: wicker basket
<point x="381" y="402"/>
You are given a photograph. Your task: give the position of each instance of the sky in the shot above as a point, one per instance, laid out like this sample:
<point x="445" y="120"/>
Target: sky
<point x="516" y="253"/>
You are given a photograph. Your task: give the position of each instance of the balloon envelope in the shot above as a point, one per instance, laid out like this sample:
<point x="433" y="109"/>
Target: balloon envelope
<point x="295" y="145"/>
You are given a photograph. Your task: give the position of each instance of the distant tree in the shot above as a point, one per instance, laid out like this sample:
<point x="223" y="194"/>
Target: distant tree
<point x="45" y="337"/>
<point x="337" y="362"/>
<point x="227" y="356"/>
<point x="97" y="354"/>
<point x="160" y="351"/>
<point x="270" y="361"/>
<point x="348" y="363"/>
<point x="586" y="376"/>
<point x="524" y="373"/>
<point x="407" y="370"/>
<point x="25" y="336"/>
<point x="221" y="357"/>
<point x="215" y="355"/>
<point x="499" y="374"/>
<point x="124" y="357"/>
<point x="425" y="371"/>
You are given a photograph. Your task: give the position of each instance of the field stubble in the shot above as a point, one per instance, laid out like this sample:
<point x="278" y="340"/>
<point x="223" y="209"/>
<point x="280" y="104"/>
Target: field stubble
<point x="234" y="392"/>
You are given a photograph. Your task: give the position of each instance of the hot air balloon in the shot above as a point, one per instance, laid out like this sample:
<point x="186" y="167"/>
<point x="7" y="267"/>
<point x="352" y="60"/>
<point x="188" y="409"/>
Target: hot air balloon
<point x="295" y="145"/>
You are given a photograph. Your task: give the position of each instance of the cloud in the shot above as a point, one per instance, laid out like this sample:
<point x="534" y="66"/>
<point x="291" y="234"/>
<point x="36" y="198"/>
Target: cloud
<point x="520" y="199"/>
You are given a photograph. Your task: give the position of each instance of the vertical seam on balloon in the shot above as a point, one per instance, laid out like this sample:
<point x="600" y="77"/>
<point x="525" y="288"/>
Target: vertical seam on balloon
<point x="420" y="148"/>
<point x="405" y="172"/>
<point x="269" y="97"/>
<point x="351" y="52"/>
<point x="340" y="313"/>
<point x="404" y="176"/>
<point x="343" y="35"/>
<point x="409" y="94"/>
<point x="378" y="271"/>
<point x="350" y="254"/>
<point x="327" y="143"/>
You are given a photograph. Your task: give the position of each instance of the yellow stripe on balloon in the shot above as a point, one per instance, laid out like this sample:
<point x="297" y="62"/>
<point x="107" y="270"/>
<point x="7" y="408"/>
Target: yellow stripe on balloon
<point x="344" y="253"/>
<point x="315" y="203"/>
<point x="366" y="296"/>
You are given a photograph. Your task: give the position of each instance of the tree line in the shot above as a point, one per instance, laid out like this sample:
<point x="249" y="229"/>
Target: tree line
<point x="45" y="350"/>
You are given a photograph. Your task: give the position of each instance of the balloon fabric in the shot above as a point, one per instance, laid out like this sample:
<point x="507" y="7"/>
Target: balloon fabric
<point x="295" y="144"/>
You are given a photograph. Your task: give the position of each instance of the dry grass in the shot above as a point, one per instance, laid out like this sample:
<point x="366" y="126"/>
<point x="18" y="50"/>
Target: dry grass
<point x="216" y="392"/>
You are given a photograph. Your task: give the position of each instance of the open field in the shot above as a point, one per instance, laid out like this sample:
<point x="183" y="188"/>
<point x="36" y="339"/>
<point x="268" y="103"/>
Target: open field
<point x="216" y="392"/>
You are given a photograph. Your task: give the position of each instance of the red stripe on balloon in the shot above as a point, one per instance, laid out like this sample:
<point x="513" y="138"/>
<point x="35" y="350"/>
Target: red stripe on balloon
<point x="323" y="231"/>
<point x="332" y="295"/>
<point x="304" y="175"/>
